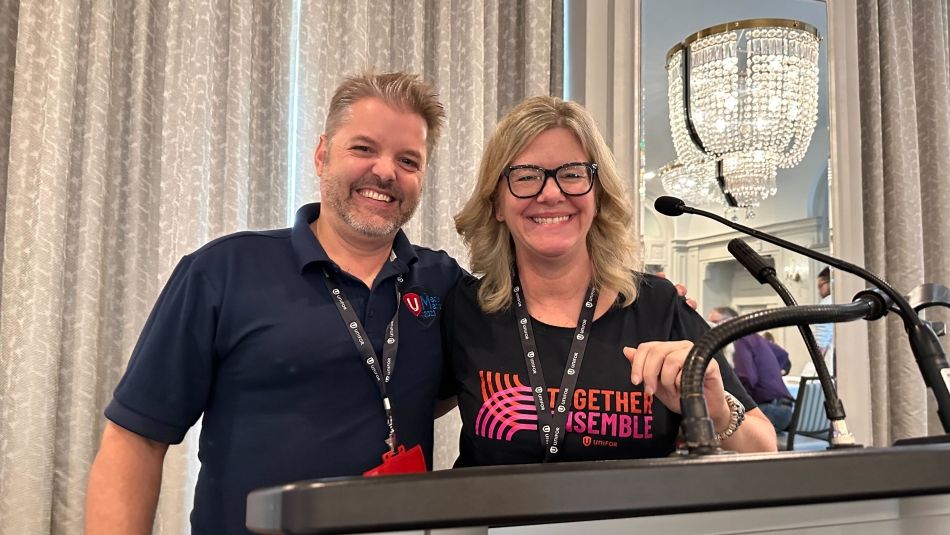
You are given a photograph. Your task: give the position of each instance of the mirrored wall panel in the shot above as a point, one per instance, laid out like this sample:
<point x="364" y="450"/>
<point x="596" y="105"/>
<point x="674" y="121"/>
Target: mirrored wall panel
<point x="735" y="121"/>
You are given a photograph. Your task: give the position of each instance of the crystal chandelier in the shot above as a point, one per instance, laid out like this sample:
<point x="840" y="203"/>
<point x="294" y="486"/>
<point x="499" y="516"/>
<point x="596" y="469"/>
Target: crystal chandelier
<point x="694" y="182"/>
<point x="743" y="101"/>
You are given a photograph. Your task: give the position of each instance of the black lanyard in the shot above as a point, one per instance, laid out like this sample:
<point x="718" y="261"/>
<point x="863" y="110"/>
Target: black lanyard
<point x="552" y="423"/>
<point x="381" y="371"/>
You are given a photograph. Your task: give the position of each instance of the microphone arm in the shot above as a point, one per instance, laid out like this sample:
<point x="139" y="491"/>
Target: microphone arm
<point x="764" y="272"/>
<point x="929" y="354"/>
<point x="700" y="433"/>
<point x="929" y="295"/>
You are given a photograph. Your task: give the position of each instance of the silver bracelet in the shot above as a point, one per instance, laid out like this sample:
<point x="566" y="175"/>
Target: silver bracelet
<point x="736" y="416"/>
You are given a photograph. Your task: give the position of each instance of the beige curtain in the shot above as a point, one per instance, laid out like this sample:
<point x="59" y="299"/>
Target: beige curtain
<point x="136" y="132"/>
<point x="904" y="51"/>
<point x="133" y="132"/>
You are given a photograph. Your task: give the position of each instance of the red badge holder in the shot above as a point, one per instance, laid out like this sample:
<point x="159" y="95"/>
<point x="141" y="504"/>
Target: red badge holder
<point x="401" y="461"/>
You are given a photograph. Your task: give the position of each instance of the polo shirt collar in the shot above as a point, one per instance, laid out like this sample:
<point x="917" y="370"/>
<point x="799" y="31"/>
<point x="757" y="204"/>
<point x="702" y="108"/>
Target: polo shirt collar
<point x="308" y="249"/>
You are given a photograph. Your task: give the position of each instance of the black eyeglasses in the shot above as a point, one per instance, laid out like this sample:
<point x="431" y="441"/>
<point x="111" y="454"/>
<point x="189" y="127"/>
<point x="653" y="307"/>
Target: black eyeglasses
<point x="574" y="179"/>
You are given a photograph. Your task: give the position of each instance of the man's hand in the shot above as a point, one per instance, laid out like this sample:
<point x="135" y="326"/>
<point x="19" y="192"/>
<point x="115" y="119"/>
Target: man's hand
<point x="681" y="290"/>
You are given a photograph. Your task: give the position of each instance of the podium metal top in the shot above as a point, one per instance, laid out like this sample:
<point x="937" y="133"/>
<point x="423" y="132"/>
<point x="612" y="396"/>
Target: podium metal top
<point x="563" y="492"/>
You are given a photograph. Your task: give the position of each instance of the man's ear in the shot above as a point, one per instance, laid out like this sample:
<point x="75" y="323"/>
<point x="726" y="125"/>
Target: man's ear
<point x="320" y="155"/>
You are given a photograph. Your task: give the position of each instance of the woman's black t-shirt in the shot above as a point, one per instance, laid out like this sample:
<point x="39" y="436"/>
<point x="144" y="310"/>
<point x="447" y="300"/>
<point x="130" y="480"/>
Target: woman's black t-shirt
<point x="609" y="417"/>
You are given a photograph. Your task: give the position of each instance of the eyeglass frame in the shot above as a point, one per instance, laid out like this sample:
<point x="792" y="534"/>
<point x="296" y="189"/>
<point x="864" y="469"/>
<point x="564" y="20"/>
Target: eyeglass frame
<point x="550" y="173"/>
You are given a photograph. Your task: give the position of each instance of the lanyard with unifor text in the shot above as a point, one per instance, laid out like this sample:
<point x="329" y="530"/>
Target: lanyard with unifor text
<point x="552" y="422"/>
<point x="381" y="371"/>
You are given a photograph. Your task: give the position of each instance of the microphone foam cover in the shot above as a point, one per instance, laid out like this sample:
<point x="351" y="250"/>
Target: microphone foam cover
<point x="670" y="206"/>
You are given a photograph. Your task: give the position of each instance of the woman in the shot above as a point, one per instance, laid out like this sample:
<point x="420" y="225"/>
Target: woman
<point x="538" y="344"/>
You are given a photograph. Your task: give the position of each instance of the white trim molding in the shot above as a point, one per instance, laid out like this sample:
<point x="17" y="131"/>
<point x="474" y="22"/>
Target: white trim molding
<point x="846" y="213"/>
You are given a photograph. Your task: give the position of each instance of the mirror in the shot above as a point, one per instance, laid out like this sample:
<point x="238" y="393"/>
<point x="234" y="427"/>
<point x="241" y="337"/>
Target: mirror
<point x="692" y="250"/>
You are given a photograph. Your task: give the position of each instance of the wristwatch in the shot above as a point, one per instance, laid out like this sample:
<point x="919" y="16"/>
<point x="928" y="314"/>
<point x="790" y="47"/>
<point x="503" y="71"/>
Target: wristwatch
<point x="736" y="416"/>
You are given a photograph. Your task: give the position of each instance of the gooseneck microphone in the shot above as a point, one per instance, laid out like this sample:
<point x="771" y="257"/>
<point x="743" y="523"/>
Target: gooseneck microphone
<point x="764" y="272"/>
<point x="929" y="354"/>
<point x="700" y="433"/>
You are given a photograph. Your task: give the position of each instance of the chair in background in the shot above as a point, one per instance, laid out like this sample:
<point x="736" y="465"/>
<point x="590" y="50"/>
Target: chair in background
<point x="810" y="429"/>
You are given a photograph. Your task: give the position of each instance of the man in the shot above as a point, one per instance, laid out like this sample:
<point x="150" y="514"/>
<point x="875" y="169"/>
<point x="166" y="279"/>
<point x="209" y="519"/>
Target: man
<point x="780" y="354"/>
<point x="759" y="372"/>
<point x="824" y="332"/>
<point x="258" y="332"/>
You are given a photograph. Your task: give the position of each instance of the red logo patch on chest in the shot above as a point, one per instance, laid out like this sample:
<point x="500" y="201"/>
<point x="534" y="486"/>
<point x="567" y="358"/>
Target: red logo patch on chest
<point x="413" y="303"/>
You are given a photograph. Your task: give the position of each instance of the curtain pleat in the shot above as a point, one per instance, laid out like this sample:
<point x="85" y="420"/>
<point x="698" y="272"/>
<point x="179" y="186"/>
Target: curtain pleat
<point x="132" y="133"/>
<point x="905" y="132"/>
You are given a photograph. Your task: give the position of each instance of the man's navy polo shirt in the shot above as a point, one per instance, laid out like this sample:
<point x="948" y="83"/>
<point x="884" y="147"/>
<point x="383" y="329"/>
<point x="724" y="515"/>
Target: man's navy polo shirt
<point x="245" y="334"/>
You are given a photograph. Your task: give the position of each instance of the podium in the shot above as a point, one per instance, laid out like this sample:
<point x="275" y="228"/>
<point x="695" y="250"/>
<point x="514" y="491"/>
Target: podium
<point x="900" y="490"/>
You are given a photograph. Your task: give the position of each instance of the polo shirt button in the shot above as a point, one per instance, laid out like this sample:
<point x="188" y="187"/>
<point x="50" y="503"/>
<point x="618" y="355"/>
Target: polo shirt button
<point x="371" y="314"/>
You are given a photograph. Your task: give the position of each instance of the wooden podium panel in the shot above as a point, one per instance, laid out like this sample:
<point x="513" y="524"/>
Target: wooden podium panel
<point x="609" y="491"/>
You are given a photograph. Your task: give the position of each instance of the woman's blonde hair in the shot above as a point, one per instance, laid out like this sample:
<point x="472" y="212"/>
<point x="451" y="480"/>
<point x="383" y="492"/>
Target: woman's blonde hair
<point x="613" y="251"/>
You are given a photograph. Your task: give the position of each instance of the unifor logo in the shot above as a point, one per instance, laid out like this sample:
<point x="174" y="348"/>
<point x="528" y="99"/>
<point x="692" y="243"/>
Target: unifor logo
<point x="422" y="305"/>
<point x="413" y="303"/>
<point x="546" y="429"/>
<point x="570" y="371"/>
<point x="530" y="354"/>
<point x="553" y="449"/>
<point x="336" y="291"/>
<point x="539" y="390"/>
<point x="370" y="361"/>
<point x="588" y="304"/>
<point x="390" y="341"/>
<point x="524" y="321"/>
<point x="352" y="325"/>
<point x="586" y="440"/>
<point x="580" y="337"/>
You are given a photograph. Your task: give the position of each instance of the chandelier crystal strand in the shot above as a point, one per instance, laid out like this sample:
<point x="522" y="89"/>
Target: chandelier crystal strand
<point x="714" y="91"/>
<point x="753" y="103"/>
<point x="803" y="109"/>
<point x="692" y="177"/>
<point x="694" y="182"/>
<point x="686" y="150"/>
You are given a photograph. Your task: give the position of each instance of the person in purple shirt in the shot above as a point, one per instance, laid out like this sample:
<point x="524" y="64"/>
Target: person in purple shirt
<point x="780" y="354"/>
<point x="758" y="369"/>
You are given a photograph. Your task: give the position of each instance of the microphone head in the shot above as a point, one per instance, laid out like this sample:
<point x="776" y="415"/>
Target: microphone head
<point x="670" y="206"/>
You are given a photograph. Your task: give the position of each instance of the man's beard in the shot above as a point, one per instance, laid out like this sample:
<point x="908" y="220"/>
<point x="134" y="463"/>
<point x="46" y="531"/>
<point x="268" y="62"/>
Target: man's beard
<point x="339" y="196"/>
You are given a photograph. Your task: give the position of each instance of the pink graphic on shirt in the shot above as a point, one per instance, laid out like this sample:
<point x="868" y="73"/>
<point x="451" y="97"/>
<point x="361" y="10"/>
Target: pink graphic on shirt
<point x="507" y="408"/>
<point x="602" y="416"/>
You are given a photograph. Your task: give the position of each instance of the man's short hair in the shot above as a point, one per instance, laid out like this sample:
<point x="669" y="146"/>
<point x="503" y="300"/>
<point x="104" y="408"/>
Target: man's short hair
<point x="727" y="312"/>
<point x="825" y="274"/>
<point x="403" y="91"/>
